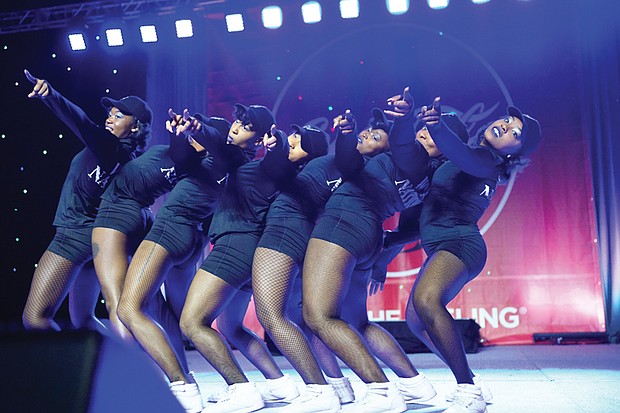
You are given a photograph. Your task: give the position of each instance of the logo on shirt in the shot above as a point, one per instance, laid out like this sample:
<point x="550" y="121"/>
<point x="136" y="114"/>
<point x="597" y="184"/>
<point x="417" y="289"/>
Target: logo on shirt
<point x="170" y="174"/>
<point x="102" y="177"/>
<point x="222" y="180"/>
<point x="333" y="185"/>
<point x="487" y="192"/>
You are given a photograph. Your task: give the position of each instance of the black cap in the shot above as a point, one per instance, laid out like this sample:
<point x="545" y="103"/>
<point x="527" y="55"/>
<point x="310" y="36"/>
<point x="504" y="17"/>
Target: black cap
<point x="530" y="134"/>
<point x="220" y="124"/>
<point x="378" y="120"/>
<point x="313" y="140"/>
<point x="130" y="105"/>
<point x="260" y="117"/>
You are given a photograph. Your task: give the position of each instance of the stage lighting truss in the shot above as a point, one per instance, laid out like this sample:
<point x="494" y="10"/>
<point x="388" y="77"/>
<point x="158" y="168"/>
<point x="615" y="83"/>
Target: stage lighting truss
<point x="272" y="18"/>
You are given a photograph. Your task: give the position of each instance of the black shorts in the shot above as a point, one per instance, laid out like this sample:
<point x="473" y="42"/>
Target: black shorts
<point x="470" y="249"/>
<point x="182" y="241"/>
<point x="289" y="236"/>
<point x="361" y="235"/>
<point x="127" y="217"/>
<point x="231" y="258"/>
<point x="73" y="244"/>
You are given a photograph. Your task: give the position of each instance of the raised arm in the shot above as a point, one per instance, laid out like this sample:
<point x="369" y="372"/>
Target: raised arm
<point x="477" y="161"/>
<point x="348" y="159"/>
<point x="98" y="139"/>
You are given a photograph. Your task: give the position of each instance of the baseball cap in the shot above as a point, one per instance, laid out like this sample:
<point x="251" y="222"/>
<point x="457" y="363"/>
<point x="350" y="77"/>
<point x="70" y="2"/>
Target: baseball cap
<point x="313" y="140"/>
<point x="378" y="120"/>
<point x="130" y="105"/>
<point x="530" y="134"/>
<point x="260" y="117"/>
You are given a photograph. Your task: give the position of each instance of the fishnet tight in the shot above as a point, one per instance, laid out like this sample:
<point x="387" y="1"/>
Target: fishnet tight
<point x="439" y="281"/>
<point x="51" y="283"/>
<point x="145" y="275"/>
<point x="327" y="272"/>
<point x="207" y="298"/>
<point x="272" y="282"/>
<point x="230" y="324"/>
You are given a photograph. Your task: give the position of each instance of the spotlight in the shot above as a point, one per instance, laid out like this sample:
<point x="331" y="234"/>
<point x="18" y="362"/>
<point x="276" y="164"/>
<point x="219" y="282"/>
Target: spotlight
<point x="114" y="37"/>
<point x="184" y="28"/>
<point x="480" y="1"/>
<point x="76" y="40"/>
<point x="397" y="6"/>
<point x="311" y="12"/>
<point x="349" y="9"/>
<point x="438" y="4"/>
<point x="234" y="23"/>
<point x="272" y="17"/>
<point x="148" y="33"/>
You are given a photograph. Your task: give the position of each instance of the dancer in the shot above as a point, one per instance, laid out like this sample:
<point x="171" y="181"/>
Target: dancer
<point x="173" y="245"/>
<point x="456" y="253"/>
<point x="348" y="236"/>
<point x="126" y="131"/>
<point x="235" y="231"/>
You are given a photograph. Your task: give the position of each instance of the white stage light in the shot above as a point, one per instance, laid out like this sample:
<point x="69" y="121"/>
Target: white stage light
<point x="272" y="17"/>
<point x="114" y="37"/>
<point x="184" y="28"/>
<point x="76" y="40"/>
<point x="148" y="33"/>
<point x="234" y="23"/>
<point x="438" y="4"/>
<point x="311" y="12"/>
<point x="349" y="9"/>
<point x="397" y="6"/>
<point x="480" y="1"/>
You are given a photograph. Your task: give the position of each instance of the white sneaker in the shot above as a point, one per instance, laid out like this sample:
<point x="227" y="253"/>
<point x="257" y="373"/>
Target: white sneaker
<point x="219" y="394"/>
<point x="240" y="398"/>
<point x="317" y="398"/>
<point x="381" y="397"/>
<point x="282" y="390"/>
<point x="484" y="388"/>
<point x="416" y="389"/>
<point x="468" y="399"/>
<point x="188" y="394"/>
<point x="343" y="389"/>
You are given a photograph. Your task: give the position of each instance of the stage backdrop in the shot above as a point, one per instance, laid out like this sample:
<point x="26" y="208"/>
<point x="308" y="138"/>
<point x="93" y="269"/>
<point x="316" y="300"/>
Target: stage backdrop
<point x="542" y="271"/>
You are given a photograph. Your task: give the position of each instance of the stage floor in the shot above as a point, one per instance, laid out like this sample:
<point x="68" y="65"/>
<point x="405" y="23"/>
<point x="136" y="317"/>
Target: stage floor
<point x="542" y="378"/>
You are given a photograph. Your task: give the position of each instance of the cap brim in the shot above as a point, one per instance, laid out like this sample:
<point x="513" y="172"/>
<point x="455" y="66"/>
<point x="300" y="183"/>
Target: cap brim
<point x="513" y="111"/>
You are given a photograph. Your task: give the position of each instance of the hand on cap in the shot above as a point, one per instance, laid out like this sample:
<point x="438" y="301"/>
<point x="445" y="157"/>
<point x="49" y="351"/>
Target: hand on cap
<point x="430" y="115"/>
<point x="270" y="140"/>
<point x="400" y="105"/>
<point x="346" y="122"/>
<point x="41" y="87"/>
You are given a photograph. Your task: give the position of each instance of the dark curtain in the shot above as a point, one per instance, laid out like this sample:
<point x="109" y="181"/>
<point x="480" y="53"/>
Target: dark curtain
<point x="601" y="108"/>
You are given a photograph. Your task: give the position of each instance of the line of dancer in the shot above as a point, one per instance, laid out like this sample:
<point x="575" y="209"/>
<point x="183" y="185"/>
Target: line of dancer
<point x="253" y="211"/>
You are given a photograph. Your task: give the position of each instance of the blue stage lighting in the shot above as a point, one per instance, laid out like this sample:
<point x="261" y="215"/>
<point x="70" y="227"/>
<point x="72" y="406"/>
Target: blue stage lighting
<point x="114" y="37"/>
<point x="184" y="28"/>
<point x="272" y="17"/>
<point x="349" y="9"/>
<point x="234" y="23"/>
<point x="148" y="33"/>
<point x="76" y="40"/>
<point x="397" y="6"/>
<point x="438" y="4"/>
<point x="311" y="12"/>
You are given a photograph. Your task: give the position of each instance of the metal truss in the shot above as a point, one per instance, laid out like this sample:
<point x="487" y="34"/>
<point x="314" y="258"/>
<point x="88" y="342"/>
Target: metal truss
<point x="92" y="12"/>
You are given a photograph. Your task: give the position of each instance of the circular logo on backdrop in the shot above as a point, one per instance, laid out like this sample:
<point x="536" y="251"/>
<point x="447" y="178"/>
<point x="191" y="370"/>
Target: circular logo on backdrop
<point x="360" y="69"/>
